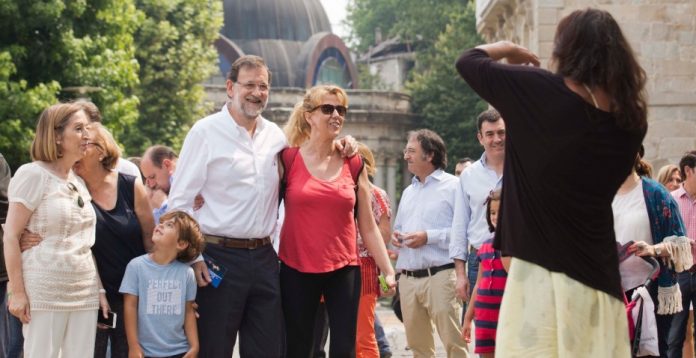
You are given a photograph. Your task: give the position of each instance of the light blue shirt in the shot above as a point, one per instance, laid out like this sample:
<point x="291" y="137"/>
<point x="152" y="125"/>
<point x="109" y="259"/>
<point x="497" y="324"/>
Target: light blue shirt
<point x="429" y="207"/>
<point x="162" y="291"/>
<point x="470" y="226"/>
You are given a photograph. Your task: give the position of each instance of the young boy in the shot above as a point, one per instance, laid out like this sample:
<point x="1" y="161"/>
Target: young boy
<point x="159" y="289"/>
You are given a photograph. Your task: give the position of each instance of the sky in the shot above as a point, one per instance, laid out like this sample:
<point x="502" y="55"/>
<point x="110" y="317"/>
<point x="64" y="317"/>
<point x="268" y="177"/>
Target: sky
<point x="336" y="11"/>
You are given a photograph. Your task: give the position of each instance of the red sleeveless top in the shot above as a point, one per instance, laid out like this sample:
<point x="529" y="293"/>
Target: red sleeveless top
<point x="319" y="233"/>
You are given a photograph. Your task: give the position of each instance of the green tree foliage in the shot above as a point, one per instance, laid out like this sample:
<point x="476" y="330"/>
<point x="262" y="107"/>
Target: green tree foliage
<point x="445" y="103"/>
<point x="175" y="53"/>
<point x="141" y="61"/>
<point x="439" y="31"/>
<point x="47" y="46"/>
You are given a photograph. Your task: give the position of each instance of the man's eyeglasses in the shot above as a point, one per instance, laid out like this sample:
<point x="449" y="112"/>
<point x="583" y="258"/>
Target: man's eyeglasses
<point x="73" y="188"/>
<point x="330" y="108"/>
<point x="251" y="86"/>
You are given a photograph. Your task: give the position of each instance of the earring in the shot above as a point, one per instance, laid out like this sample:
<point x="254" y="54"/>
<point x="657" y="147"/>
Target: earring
<point x="101" y="159"/>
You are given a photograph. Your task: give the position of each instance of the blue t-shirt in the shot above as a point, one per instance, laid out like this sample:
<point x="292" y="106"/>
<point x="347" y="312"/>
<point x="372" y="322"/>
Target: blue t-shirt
<point x="162" y="291"/>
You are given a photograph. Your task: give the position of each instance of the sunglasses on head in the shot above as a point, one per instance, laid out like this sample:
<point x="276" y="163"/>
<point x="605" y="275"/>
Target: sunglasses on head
<point x="329" y="109"/>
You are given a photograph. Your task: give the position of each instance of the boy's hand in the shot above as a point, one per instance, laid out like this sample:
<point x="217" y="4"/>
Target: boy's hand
<point x="135" y="352"/>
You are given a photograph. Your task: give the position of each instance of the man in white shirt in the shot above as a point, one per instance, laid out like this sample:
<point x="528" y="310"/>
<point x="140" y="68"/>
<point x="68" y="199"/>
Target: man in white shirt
<point x="470" y="228"/>
<point x="421" y="232"/>
<point x="230" y="158"/>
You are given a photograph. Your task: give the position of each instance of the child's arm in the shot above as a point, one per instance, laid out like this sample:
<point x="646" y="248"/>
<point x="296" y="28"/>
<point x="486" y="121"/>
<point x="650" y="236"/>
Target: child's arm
<point x="469" y="315"/>
<point x="130" y="321"/>
<point x="191" y="330"/>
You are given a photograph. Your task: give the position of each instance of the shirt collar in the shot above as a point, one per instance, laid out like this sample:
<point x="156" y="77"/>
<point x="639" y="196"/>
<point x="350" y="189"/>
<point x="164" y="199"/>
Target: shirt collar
<point x="484" y="160"/>
<point x="436" y="175"/>
<point x="681" y="192"/>
<point x="260" y="122"/>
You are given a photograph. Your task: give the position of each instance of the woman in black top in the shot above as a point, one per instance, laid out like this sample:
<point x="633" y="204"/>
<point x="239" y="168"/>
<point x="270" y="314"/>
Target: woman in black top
<point x="571" y="140"/>
<point x="124" y="227"/>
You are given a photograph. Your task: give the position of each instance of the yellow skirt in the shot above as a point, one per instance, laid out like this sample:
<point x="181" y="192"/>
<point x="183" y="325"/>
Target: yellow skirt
<point x="548" y="314"/>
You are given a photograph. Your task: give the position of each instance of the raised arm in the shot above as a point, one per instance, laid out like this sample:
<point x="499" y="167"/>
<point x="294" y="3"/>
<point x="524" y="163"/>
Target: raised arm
<point x="513" y="53"/>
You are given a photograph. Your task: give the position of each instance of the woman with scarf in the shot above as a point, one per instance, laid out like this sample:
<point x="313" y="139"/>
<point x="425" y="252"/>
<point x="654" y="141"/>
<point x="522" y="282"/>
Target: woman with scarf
<point x="645" y="213"/>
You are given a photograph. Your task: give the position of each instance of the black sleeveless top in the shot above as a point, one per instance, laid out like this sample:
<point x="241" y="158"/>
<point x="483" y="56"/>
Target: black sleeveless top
<point x="118" y="237"/>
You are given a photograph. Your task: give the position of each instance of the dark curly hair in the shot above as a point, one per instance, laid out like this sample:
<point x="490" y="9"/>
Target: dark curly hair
<point x="590" y="48"/>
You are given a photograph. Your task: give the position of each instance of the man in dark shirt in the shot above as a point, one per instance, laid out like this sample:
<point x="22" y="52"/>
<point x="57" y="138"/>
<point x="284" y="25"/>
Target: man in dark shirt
<point x="10" y="327"/>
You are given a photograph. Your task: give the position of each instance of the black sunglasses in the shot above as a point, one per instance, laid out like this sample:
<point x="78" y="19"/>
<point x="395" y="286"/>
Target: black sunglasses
<point x="73" y="188"/>
<point x="329" y="109"/>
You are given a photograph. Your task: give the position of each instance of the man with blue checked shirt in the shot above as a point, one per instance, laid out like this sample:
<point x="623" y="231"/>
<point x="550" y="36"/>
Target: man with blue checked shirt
<point x="421" y="232"/>
<point x="469" y="228"/>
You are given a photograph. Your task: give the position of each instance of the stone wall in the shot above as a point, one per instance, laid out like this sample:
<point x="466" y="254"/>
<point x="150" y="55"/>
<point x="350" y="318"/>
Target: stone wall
<point x="663" y="35"/>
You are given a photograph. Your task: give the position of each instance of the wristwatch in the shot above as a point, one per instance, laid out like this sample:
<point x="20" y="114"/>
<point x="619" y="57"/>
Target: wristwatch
<point x="658" y="250"/>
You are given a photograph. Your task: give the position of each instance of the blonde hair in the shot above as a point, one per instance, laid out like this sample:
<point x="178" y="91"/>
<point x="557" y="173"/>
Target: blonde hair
<point x="368" y="159"/>
<point x="50" y="125"/>
<point x="297" y="129"/>
<point x="107" y="144"/>
<point x="665" y="173"/>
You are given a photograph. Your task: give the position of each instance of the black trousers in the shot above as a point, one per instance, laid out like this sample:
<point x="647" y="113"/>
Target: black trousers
<point x="247" y="301"/>
<point x="301" y="293"/>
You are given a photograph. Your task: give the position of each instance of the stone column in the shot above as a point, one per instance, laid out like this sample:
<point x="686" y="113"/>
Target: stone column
<point x="381" y="164"/>
<point x="391" y="180"/>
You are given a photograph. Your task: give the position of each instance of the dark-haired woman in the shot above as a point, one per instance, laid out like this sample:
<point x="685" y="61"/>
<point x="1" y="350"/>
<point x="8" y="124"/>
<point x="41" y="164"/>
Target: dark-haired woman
<point x="646" y="214"/>
<point x="572" y="139"/>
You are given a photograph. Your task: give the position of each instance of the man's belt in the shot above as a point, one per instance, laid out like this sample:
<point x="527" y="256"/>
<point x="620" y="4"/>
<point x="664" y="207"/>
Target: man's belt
<point x="235" y="243"/>
<point x="428" y="271"/>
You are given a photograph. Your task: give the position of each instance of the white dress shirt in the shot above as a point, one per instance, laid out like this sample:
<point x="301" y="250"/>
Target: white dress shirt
<point x="428" y="207"/>
<point x="470" y="226"/>
<point x="236" y="174"/>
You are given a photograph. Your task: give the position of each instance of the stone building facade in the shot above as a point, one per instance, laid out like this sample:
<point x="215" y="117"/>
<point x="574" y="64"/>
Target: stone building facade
<point x="663" y="35"/>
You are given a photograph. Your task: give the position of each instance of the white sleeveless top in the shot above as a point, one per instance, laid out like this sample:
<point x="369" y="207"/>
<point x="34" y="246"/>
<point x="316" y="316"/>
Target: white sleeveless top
<point x="59" y="273"/>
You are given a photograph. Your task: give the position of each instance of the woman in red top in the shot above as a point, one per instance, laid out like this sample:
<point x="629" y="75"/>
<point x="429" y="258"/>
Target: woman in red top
<point x="318" y="246"/>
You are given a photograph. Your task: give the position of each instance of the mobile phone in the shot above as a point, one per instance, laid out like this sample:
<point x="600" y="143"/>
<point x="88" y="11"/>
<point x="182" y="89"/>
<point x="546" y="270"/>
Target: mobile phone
<point x="110" y="321"/>
<point x="383" y="283"/>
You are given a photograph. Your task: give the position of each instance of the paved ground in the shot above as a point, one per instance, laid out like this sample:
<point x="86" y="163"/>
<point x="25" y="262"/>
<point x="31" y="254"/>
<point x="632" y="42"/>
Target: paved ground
<point x="394" y="330"/>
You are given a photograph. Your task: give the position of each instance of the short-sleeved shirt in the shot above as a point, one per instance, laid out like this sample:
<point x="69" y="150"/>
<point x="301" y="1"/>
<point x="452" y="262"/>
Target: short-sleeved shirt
<point x="59" y="273"/>
<point x="162" y="291"/>
<point x="564" y="161"/>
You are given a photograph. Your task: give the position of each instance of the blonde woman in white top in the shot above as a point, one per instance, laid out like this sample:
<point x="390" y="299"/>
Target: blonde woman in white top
<point x="54" y="287"/>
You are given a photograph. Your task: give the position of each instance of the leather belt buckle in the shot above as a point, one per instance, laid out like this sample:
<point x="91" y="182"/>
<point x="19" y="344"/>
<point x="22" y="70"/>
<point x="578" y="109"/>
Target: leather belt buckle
<point x="254" y="243"/>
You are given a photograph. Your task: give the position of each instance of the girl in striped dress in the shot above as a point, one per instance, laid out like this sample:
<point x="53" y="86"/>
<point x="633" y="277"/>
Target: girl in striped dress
<point x="488" y="292"/>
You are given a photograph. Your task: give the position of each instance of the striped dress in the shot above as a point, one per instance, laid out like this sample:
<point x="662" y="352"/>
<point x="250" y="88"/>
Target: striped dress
<point x="488" y="297"/>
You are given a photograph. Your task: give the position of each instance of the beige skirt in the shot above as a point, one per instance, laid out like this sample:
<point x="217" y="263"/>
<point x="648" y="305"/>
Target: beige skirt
<point x="548" y="314"/>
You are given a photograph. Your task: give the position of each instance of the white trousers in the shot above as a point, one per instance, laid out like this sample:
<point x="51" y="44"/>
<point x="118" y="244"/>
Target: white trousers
<point x="52" y="334"/>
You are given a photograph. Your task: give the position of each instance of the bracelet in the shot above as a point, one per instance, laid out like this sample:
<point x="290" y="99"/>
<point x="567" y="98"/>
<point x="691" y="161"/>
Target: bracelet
<point x="101" y="290"/>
